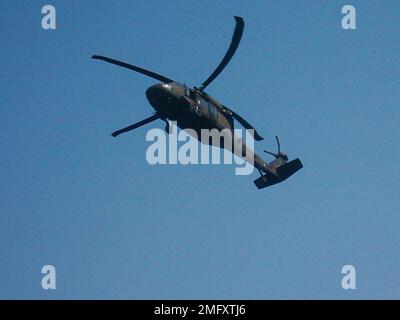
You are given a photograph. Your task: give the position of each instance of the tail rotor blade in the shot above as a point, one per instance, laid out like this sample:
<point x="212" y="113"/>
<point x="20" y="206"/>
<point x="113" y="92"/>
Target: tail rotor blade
<point x="279" y="145"/>
<point x="271" y="153"/>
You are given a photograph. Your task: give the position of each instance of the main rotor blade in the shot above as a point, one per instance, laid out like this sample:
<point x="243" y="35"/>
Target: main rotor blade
<point x="134" y="68"/>
<point x="246" y="125"/>
<point x="136" y="125"/>
<point x="237" y="35"/>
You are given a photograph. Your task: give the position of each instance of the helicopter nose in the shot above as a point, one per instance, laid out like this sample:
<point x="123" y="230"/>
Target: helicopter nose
<point x="162" y="96"/>
<point x="155" y="92"/>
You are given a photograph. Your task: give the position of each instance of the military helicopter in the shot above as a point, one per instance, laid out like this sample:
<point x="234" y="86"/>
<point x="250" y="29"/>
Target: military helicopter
<point x="193" y="108"/>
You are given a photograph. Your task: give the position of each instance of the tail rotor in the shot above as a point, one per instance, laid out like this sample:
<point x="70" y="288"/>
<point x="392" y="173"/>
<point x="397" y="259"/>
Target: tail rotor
<point x="279" y="155"/>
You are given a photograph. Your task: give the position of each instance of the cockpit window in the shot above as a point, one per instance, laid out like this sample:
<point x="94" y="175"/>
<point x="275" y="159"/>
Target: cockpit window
<point x="193" y="95"/>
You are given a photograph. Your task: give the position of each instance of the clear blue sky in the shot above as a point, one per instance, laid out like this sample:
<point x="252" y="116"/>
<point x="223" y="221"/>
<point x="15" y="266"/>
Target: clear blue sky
<point x="115" y="227"/>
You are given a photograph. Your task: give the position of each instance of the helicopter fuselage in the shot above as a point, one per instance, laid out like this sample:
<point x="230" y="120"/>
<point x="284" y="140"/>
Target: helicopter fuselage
<point x="193" y="108"/>
<point x="196" y="110"/>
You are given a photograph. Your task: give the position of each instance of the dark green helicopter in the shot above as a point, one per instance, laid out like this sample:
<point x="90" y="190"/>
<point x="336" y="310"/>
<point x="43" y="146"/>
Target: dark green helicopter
<point x="193" y="108"/>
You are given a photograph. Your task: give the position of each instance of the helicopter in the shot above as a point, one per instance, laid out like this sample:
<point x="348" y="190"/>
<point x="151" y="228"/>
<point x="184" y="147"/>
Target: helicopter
<point x="193" y="108"/>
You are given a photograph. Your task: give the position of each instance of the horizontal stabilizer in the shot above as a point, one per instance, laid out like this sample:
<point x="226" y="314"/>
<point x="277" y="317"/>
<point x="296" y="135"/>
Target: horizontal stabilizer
<point x="283" y="172"/>
<point x="289" y="168"/>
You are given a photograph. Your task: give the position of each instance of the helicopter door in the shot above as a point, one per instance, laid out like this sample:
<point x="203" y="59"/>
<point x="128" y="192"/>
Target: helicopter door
<point x="195" y="101"/>
<point x="212" y="111"/>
